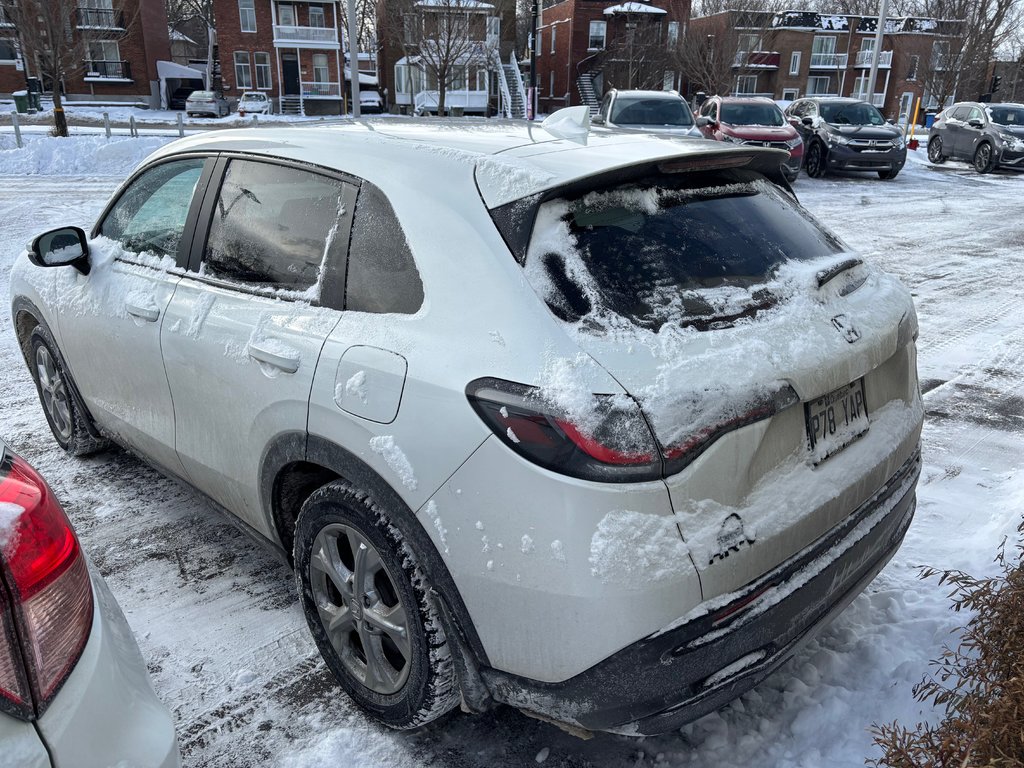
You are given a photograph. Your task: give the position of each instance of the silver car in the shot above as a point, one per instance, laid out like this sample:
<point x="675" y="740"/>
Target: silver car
<point x="663" y="112"/>
<point x="74" y="690"/>
<point x="602" y="427"/>
<point x="210" y="103"/>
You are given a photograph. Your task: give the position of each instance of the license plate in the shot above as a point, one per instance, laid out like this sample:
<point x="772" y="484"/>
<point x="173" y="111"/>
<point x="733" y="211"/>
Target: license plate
<point x="835" y="420"/>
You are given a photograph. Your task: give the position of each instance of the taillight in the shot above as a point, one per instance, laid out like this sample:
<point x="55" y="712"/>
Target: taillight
<point x="612" y="444"/>
<point x="43" y="567"/>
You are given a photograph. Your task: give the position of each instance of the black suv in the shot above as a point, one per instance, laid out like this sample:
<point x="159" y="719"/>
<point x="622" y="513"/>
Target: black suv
<point x="846" y="135"/>
<point x="986" y="135"/>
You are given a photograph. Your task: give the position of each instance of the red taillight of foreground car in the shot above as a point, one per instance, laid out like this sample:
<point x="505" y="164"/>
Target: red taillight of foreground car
<point x="47" y="583"/>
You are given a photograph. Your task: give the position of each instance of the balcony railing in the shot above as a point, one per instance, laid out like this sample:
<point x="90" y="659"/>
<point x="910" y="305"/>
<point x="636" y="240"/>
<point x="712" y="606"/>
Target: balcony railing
<point x="864" y="59"/>
<point x="318" y="35"/>
<point x="757" y="59"/>
<point x="828" y="60"/>
<point x="878" y="99"/>
<point x="114" y="70"/>
<point x="321" y="91"/>
<point x="99" y="18"/>
<point x="751" y="94"/>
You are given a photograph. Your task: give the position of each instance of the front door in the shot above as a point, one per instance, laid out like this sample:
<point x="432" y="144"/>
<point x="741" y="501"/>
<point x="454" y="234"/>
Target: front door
<point x="290" y="73"/>
<point x="906" y="107"/>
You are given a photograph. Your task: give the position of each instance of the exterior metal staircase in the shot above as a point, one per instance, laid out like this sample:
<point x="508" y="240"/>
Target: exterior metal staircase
<point x="585" y="85"/>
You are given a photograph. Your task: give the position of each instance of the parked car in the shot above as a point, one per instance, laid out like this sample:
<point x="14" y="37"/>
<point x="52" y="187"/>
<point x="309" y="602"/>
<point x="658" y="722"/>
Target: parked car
<point x="846" y="135"/>
<point x="988" y="136"/>
<point x="206" y="103"/>
<point x="74" y="689"/>
<point x="254" y="103"/>
<point x="756" y="121"/>
<point x="646" y="385"/>
<point x="646" y="111"/>
<point x="370" y="102"/>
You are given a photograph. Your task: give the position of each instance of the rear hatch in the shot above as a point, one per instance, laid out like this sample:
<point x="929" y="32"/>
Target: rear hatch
<point x="773" y="367"/>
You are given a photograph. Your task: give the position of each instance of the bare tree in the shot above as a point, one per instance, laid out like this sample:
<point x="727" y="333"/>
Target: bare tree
<point x="712" y="57"/>
<point x="184" y="10"/>
<point x="49" y="41"/>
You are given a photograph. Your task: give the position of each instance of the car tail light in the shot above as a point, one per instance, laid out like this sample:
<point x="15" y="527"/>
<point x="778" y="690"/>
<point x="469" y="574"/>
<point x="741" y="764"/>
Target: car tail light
<point x="614" y="445"/>
<point x="47" y="582"/>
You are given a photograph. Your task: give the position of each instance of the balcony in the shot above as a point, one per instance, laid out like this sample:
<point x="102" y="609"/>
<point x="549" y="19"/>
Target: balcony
<point x="878" y="99"/>
<point x="828" y="60"/>
<point x="864" y="60"/>
<point x="305" y="37"/>
<point x="321" y="90"/>
<point x="99" y="71"/>
<point x="757" y="59"/>
<point x="99" y="18"/>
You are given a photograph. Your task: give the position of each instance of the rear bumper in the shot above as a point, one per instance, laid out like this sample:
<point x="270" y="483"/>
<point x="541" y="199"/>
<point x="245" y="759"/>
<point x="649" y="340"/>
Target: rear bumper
<point x="680" y="674"/>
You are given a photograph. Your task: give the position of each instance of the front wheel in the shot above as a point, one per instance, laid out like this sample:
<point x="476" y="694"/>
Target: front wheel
<point x="814" y="163"/>
<point x="888" y="175"/>
<point x="984" y="162"/>
<point x="935" y="151"/>
<point x="366" y="601"/>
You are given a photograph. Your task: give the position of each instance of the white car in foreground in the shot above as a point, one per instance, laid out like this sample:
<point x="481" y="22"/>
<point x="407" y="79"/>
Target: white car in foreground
<point x="602" y="429"/>
<point x="74" y="690"/>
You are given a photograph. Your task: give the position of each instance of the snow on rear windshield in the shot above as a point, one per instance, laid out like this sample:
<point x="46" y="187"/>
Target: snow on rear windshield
<point x="651" y="255"/>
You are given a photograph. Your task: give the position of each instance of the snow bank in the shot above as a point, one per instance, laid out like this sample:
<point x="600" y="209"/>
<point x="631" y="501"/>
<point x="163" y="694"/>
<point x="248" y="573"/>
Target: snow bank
<point x="75" y="155"/>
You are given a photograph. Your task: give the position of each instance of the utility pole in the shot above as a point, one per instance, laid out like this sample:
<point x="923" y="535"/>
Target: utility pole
<point x="353" y="57"/>
<point x="532" y="106"/>
<point x="879" y="32"/>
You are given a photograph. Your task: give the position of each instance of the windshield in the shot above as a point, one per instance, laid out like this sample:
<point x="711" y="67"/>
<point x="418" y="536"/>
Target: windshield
<point x="253" y="97"/>
<point x="1011" y="116"/>
<point x="851" y="113"/>
<point x="674" y="253"/>
<point x="751" y="114"/>
<point x="637" y="110"/>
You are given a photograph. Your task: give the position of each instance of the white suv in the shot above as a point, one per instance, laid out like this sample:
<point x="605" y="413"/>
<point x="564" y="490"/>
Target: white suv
<point x="599" y="429"/>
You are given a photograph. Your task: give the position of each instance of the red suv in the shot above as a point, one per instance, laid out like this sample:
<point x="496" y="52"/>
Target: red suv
<point x="752" y="120"/>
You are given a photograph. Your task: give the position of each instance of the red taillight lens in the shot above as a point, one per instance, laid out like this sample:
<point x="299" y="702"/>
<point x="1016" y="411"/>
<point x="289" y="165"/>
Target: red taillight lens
<point x="616" y="446"/>
<point x="44" y="570"/>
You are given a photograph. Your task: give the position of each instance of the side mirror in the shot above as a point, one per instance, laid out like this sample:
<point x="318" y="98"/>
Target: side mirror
<point x="62" y="247"/>
<point x="975" y="123"/>
<point x="807" y="120"/>
<point x="891" y="121"/>
<point x="705" y="122"/>
<point x="597" y="120"/>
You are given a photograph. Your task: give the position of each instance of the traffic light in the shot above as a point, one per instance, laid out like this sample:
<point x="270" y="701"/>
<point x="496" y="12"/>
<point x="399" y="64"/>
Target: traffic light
<point x="994" y="85"/>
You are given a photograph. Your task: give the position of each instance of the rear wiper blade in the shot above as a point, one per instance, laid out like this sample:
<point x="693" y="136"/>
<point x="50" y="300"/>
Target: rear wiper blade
<point x="825" y="275"/>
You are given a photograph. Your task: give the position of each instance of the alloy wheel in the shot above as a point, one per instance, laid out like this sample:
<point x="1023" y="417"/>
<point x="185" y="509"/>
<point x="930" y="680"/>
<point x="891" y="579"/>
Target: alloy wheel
<point x="815" y="161"/>
<point x="360" y="608"/>
<point x="935" y="151"/>
<point x="983" y="158"/>
<point x="54" y="392"/>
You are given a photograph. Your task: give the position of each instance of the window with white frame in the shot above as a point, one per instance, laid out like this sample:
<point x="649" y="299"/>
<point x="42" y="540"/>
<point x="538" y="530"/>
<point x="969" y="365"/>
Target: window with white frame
<point x="243" y="74"/>
<point x="820" y="85"/>
<point x="554" y="36"/>
<point x="823" y="51"/>
<point x="317" y="17"/>
<point x="247" y="15"/>
<point x="598" y="34"/>
<point x="867" y="45"/>
<point x="286" y="15"/>
<point x="749" y="43"/>
<point x="746" y="84"/>
<point x="673" y="34"/>
<point x="794" y="63"/>
<point x="860" y="88"/>
<point x="551" y="83"/>
<point x="481" y="79"/>
<point x="103" y="52"/>
<point x="668" y="80"/>
<point x="262" y="61"/>
<point x="912" y="68"/>
<point x="790" y="94"/>
<point x="540" y="41"/>
<point x="320" y="71"/>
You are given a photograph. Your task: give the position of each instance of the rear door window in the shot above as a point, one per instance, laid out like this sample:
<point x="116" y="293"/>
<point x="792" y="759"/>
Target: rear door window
<point x="685" y="248"/>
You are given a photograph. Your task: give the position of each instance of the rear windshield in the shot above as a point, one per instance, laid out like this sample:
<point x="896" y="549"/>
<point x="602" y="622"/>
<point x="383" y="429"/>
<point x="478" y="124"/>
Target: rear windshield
<point x="201" y="95"/>
<point x="851" y="113"/>
<point x="751" y="114"/>
<point x="683" y="251"/>
<point x="637" y="110"/>
<point x="1007" y="115"/>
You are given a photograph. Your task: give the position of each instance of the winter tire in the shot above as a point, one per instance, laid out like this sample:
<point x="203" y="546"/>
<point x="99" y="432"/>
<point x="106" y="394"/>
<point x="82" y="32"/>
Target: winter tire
<point x="983" y="159"/>
<point x="64" y="414"/>
<point x="814" y="163"/>
<point x="889" y="175"/>
<point x="935" y="151"/>
<point x="367" y="603"/>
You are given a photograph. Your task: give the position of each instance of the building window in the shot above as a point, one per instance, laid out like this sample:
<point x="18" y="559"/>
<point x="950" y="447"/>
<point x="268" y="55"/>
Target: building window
<point x="551" y="84"/>
<point x="598" y="33"/>
<point x="819" y="86"/>
<point x="790" y="94"/>
<point x="912" y="69"/>
<point x="540" y="42"/>
<point x="554" y="35"/>
<point x="286" y="15"/>
<point x="823" y="52"/>
<point x="317" y="17"/>
<point x="860" y="88"/>
<point x="746" y="84"/>
<point x="668" y="81"/>
<point x="410" y="26"/>
<point x="8" y="51"/>
<point x="794" y="63"/>
<point x="673" y="34"/>
<point x="940" y="54"/>
<point x="105" y="60"/>
<point x="749" y="43"/>
<point x="263" y="81"/>
<point x="247" y="15"/>
<point x="243" y="75"/>
<point x="320" y="68"/>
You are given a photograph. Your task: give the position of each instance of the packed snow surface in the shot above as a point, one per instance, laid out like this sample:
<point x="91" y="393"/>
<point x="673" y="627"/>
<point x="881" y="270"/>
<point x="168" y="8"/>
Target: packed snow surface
<point x="227" y="645"/>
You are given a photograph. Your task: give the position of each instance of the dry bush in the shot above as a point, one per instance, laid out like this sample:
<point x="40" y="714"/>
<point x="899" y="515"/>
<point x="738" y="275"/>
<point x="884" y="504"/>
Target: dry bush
<point x="980" y="683"/>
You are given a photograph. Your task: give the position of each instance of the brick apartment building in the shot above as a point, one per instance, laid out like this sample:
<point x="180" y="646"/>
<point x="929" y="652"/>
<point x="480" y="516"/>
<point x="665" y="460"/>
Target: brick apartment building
<point x="122" y="44"/>
<point x="292" y="51"/>
<point x="796" y="53"/>
<point x="585" y="47"/>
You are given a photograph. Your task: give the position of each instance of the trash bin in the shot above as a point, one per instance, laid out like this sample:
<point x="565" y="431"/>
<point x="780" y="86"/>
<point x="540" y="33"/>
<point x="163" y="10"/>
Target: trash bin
<point x="35" y="92"/>
<point x="21" y="101"/>
<point x="929" y="119"/>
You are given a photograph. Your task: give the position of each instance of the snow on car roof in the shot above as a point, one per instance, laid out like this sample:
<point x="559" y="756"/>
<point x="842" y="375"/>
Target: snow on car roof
<point x="507" y="160"/>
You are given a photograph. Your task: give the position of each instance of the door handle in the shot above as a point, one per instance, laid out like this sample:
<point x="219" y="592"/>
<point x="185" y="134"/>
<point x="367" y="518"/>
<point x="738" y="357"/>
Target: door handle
<point x="149" y="314"/>
<point x="286" y="363"/>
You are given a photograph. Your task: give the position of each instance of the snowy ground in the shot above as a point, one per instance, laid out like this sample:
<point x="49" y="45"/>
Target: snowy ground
<point x="227" y="644"/>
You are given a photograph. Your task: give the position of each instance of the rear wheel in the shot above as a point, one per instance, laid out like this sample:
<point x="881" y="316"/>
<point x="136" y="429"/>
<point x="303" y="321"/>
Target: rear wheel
<point x="983" y="158"/>
<point x="63" y="413"/>
<point x="366" y="601"/>
<point x="814" y="163"/>
<point x="935" y="151"/>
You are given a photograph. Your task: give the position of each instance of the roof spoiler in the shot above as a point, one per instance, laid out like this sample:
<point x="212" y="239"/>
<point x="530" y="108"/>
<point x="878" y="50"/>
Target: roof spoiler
<point x="568" y="123"/>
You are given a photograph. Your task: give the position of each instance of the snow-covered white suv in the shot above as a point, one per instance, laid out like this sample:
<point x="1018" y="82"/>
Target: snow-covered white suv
<point x="599" y="427"/>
